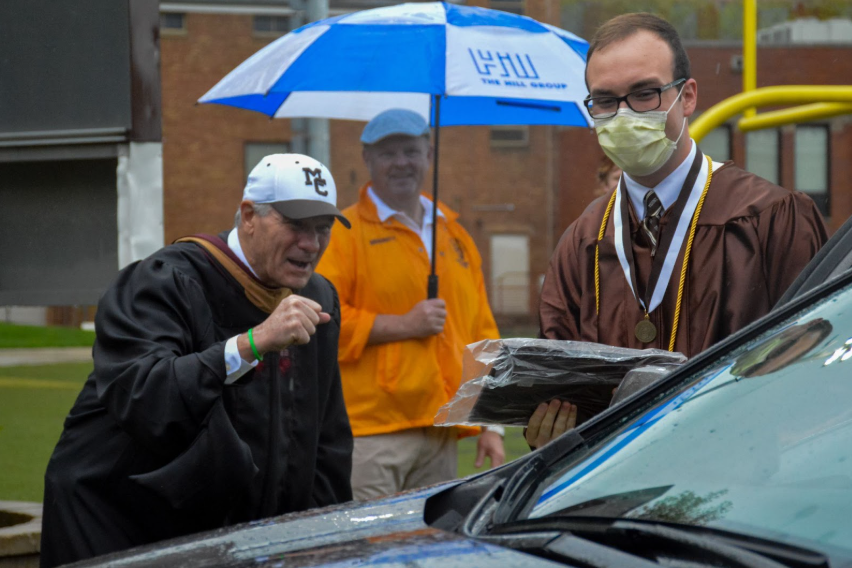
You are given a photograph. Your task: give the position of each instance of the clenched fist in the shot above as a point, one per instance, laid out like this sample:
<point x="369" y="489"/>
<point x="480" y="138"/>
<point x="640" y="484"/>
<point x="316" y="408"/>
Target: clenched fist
<point x="427" y="317"/>
<point x="293" y="322"/>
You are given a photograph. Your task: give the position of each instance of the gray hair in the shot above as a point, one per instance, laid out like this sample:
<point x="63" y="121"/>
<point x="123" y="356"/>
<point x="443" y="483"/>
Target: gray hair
<point x="260" y="209"/>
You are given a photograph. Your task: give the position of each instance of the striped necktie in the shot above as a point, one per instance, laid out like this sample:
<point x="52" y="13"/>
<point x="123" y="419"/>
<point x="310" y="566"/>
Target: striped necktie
<point x="651" y="222"/>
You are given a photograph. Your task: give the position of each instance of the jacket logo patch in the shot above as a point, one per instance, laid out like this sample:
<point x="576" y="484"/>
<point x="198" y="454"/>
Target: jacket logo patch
<point x="382" y="240"/>
<point x="460" y="258"/>
<point x="314" y="178"/>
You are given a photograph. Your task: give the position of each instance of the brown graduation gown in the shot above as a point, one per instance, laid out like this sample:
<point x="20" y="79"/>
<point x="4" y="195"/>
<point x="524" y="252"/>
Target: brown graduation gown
<point x="752" y="240"/>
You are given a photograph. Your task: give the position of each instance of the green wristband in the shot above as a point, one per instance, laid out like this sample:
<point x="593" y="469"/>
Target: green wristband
<point x="257" y="355"/>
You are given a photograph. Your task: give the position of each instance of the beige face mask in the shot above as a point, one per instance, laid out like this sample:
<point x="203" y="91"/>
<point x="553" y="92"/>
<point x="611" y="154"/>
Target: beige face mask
<point x="636" y="142"/>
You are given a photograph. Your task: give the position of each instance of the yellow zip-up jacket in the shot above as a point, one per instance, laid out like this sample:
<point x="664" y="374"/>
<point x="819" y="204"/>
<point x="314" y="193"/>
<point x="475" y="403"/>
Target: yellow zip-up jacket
<point x="382" y="268"/>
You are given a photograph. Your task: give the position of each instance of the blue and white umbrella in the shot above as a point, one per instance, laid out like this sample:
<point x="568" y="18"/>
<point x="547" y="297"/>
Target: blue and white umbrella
<point x="454" y="65"/>
<point x="487" y="67"/>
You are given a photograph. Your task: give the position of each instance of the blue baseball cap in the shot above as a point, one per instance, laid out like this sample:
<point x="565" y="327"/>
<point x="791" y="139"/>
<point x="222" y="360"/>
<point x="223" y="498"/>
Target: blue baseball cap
<point x="392" y="122"/>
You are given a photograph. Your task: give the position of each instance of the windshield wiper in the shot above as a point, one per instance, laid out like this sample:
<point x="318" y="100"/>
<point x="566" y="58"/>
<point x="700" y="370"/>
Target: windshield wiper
<point x="567" y="547"/>
<point x="519" y="489"/>
<point x="665" y="543"/>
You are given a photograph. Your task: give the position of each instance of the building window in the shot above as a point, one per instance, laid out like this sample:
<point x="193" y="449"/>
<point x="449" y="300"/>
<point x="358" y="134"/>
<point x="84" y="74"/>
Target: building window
<point x="762" y="154"/>
<point x="717" y="143"/>
<point x="812" y="164"/>
<point x="271" y="25"/>
<point x="510" y="136"/>
<point x="254" y="152"/>
<point x="512" y="6"/>
<point x="172" y="23"/>
<point x="510" y="277"/>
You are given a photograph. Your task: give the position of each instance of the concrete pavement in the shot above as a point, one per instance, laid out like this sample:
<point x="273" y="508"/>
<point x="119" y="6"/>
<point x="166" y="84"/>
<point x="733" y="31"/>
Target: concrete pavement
<point x="44" y="356"/>
<point x="20" y="522"/>
<point x="20" y="533"/>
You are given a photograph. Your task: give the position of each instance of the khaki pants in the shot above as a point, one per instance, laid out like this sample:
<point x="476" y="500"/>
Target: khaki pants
<point x="389" y="463"/>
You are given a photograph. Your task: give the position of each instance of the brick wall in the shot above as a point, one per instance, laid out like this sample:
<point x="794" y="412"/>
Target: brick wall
<point x="548" y="182"/>
<point x="203" y="150"/>
<point x="711" y="67"/>
<point x="203" y="171"/>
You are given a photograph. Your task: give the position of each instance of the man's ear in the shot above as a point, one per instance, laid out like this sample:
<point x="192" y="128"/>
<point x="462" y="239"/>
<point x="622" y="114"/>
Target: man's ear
<point x="689" y="97"/>
<point x="247" y="215"/>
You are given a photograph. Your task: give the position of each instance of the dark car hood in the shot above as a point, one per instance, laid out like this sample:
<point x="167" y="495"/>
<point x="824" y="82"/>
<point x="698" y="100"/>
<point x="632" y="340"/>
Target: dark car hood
<point x="388" y="532"/>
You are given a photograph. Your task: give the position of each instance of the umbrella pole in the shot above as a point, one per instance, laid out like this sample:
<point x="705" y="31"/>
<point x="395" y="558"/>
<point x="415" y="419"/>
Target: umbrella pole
<point x="432" y="284"/>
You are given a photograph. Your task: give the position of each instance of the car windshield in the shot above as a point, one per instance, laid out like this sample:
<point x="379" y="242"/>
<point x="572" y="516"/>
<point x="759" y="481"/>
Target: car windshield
<point x="759" y="443"/>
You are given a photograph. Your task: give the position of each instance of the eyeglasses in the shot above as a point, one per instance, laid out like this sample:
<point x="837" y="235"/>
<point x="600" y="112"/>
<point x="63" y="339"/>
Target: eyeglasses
<point x="643" y="100"/>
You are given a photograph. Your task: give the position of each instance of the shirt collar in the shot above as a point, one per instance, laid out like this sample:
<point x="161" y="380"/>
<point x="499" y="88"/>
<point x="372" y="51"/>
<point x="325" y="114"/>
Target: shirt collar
<point x="385" y="211"/>
<point x="667" y="190"/>
<point x="234" y="245"/>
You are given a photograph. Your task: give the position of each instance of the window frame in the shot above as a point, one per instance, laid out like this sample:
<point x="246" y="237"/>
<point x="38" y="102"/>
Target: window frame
<point x="172" y="31"/>
<point x="825" y="202"/>
<point x="272" y="33"/>
<point x="523" y="141"/>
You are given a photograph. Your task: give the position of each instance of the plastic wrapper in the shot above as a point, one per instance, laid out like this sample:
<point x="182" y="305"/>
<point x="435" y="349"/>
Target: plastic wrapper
<point x="505" y="380"/>
<point x="637" y="379"/>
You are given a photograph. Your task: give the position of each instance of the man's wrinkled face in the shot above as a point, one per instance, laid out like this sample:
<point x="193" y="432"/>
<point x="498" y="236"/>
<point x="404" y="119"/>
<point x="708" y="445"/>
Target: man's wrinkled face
<point x="285" y="252"/>
<point x="397" y="166"/>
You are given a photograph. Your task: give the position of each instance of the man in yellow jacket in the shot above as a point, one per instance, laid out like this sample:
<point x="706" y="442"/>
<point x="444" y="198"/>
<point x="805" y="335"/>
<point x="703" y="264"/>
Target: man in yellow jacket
<point x="401" y="354"/>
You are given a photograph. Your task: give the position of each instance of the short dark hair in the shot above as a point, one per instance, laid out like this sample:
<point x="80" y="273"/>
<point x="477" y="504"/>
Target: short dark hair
<point x="623" y="26"/>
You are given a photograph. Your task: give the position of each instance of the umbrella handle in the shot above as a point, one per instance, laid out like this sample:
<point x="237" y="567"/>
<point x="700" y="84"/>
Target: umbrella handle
<point x="432" y="286"/>
<point x="432" y="282"/>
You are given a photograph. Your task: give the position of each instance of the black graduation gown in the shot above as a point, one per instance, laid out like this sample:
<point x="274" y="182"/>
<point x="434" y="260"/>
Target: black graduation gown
<point x="157" y="446"/>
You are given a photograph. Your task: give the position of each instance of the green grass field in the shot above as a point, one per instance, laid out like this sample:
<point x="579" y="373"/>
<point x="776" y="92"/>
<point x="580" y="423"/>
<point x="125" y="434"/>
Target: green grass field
<point x="22" y="336"/>
<point x="513" y="443"/>
<point x="35" y="400"/>
<point x="33" y="404"/>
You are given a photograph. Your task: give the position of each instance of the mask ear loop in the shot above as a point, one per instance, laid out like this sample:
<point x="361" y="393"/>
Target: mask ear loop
<point x="683" y="125"/>
<point x="674" y="102"/>
<point x="682" y="128"/>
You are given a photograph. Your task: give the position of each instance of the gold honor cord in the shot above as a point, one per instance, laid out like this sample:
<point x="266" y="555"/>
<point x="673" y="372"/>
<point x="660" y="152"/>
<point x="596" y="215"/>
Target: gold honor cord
<point x="676" y="319"/>
<point x="597" y="261"/>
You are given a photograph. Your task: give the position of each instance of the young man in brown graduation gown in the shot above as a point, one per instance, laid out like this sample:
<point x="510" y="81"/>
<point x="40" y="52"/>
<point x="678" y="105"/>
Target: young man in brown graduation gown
<point x="751" y="238"/>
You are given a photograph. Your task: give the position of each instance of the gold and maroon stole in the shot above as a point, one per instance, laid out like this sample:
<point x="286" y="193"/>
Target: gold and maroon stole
<point x="265" y="298"/>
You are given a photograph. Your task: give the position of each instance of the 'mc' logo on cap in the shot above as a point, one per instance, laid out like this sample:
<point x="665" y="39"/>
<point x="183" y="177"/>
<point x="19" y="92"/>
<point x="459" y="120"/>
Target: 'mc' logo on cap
<point x="314" y="178"/>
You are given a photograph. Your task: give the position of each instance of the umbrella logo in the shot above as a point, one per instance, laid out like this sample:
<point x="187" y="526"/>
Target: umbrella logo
<point x="515" y="65"/>
<point x="314" y="178"/>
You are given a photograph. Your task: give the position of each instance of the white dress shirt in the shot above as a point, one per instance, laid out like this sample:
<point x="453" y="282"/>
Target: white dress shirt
<point x="667" y="190"/>
<point x="385" y="212"/>
<point x="236" y="366"/>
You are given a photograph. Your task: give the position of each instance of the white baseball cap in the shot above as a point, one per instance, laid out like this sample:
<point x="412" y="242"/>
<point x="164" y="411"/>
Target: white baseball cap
<point x="297" y="186"/>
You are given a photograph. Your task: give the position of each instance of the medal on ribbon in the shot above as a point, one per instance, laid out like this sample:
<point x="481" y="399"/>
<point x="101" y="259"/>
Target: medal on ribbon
<point x="670" y="243"/>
